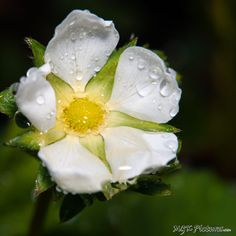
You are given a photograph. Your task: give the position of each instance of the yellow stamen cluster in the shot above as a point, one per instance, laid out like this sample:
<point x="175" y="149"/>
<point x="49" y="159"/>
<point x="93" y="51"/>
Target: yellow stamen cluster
<point x="83" y="116"/>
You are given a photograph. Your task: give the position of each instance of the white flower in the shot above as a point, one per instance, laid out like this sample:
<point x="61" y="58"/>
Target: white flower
<point x="108" y="132"/>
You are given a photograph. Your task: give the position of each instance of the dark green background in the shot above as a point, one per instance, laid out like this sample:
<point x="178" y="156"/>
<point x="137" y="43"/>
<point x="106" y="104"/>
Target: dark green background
<point x="199" y="38"/>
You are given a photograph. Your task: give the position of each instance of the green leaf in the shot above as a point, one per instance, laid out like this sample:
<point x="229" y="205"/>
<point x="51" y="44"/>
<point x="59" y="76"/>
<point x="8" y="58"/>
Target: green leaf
<point x="7" y="103"/>
<point x="32" y="140"/>
<point x="43" y="181"/>
<point x="37" y="50"/>
<point x="116" y="118"/>
<point x="100" y="86"/>
<point x="95" y="144"/>
<point x="151" y="185"/>
<point x="74" y="204"/>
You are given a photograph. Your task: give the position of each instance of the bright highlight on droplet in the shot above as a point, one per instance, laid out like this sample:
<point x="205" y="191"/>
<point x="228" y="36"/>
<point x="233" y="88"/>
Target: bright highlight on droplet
<point x="83" y="116"/>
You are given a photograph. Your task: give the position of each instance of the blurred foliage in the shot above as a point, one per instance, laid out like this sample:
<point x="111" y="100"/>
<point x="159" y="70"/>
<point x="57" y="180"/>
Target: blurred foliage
<point x="199" y="39"/>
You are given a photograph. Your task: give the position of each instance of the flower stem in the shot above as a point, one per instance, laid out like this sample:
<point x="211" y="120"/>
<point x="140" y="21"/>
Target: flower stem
<point x="40" y="213"/>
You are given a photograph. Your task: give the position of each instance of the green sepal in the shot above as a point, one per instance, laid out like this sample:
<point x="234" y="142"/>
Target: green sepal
<point x="29" y="141"/>
<point x="37" y="50"/>
<point x="64" y="93"/>
<point x="43" y="181"/>
<point x="117" y="118"/>
<point x="180" y="143"/>
<point x="172" y="166"/>
<point x="7" y="103"/>
<point x="74" y="204"/>
<point x="100" y="86"/>
<point x="162" y="55"/>
<point x="111" y="189"/>
<point x="32" y="140"/>
<point x="96" y="145"/>
<point x="151" y="185"/>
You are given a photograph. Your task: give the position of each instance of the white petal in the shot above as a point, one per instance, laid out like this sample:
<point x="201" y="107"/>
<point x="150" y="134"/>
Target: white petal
<point x="80" y="47"/>
<point x="131" y="152"/>
<point x="144" y="87"/>
<point x="74" y="168"/>
<point x="36" y="99"/>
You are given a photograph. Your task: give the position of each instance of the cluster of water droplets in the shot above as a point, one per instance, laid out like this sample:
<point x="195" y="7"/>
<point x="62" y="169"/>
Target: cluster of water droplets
<point x="159" y="79"/>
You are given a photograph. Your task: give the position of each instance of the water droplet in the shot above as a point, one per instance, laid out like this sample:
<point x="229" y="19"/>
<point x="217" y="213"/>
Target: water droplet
<point x="73" y="57"/>
<point x="79" y="77"/>
<point x="23" y="79"/>
<point x="61" y="58"/>
<point x="131" y="58"/>
<point x="159" y="107"/>
<point x="85" y="117"/>
<point x="107" y="53"/>
<point x="21" y="120"/>
<point x="14" y="87"/>
<point x="174" y="111"/>
<point x="108" y="24"/>
<point x="98" y="68"/>
<point x="154" y="82"/>
<point x="72" y="23"/>
<point x="40" y="100"/>
<point x="52" y="113"/>
<point x="73" y="36"/>
<point x="59" y="101"/>
<point x="66" y="54"/>
<point x="172" y="145"/>
<point x="88" y="66"/>
<point x="154" y="101"/>
<point x="96" y="59"/>
<point x="71" y="72"/>
<point x="65" y="192"/>
<point x="31" y="71"/>
<point x="141" y="65"/>
<point x="58" y="189"/>
<point x="165" y="88"/>
<point x="49" y="116"/>
<point x="155" y="74"/>
<point x="144" y="89"/>
<point x="125" y="168"/>
<point x="176" y="96"/>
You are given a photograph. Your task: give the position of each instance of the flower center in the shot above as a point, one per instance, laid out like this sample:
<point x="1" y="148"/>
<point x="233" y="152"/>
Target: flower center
<point x="83" y="116"/>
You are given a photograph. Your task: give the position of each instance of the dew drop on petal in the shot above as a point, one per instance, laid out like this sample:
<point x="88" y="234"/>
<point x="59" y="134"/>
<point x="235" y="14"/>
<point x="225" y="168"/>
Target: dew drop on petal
<point x="31" y="71"/>
<point x="58" y="189"/>
<point x="159" y="107"/>
<point x="172" y="145"/>
<point x="23" y="79"/>
<point x="144" y="89"/>
<point x="73" y="57"/>
<point x="40" y="100"/>
<point x="131" y="58"/>
<point x="108" y="24"/>
<point x="155" y="74"/>
<point x="174" y="111"/>
<point x="72" y="23"/>
<point x="98" y="68"/>
<point x="165" y="88"/>
<point x="14" y="87"/>
<point x="72" y="36"/>
<point x="141" y="65"/>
